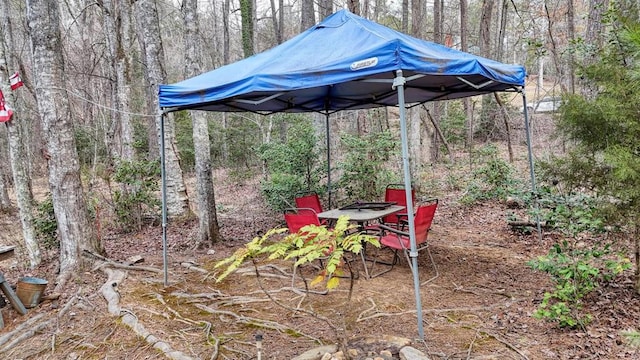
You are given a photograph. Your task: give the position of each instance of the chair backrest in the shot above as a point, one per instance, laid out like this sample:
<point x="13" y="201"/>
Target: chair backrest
<point x="423" y="219"/>
<point x="309" y="200"/>
<point x="299" y="218"/>
<point x="395" y="193"/>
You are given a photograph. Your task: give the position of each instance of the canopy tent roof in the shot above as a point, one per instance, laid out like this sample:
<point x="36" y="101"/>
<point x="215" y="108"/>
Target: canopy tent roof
<point x="345" y="62"/>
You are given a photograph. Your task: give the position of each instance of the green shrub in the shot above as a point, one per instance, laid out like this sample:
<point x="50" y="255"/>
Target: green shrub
<point x="453" y="123"/>
<point x="576" y="272"/>
<point x="241" y="136"/>
<point x="292" y="165"/>
<point x="136" y="196"/>
<point x="493" y="179"/>
<point x="576" y="265"/>
<point x="365" y="166"/>
<point x="280" y="190"/>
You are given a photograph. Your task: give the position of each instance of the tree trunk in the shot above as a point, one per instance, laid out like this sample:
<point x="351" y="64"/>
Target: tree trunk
<point x="594" y="37"/>
<point x="17" y="144"/>
<point x="117" y="23"/>
<point x="277" y="26"/>
<point x="437" y="106"/>
<point x="553" y="48"/>
<point x="149" y="33"/>
<point x="404" y="27"/>
<point x="466" y="102"/>
<point x="74" y="228"/>
<point x="307" y="15"/>
<point x="225" y="31"/>
<point x="325" y="8"/>
<point x="354" y="6"/>
<point x="377" y="10"/>
<point x="418" y="18"/>
<point x="502" y="18"/>
<point x="485" y="28"/>
<point x="507" y="128"/>
<point x="5" y="202"/>
<point x="417" y="134"/>
<point x="246" y="11"/>
<point x="571" y="34"/>
<point x="209" y="230"/>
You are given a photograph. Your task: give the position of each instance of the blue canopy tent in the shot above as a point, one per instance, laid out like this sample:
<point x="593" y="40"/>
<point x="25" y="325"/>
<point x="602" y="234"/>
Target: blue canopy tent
<point x="347" y="62"/>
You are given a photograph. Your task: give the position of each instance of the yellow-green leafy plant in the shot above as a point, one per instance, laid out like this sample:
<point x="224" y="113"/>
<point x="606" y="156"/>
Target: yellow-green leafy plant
<point x="309" y="244"/>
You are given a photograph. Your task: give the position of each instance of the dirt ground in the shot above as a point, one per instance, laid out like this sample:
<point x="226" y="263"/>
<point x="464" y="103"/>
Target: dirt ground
<point x="479" y="307"/>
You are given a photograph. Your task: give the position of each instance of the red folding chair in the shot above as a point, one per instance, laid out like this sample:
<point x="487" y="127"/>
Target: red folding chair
<point x="296" y="219"/>
<point x="310" y="200"/>
<point x="396" y="193"/>
<point x="300" y="217"/>
<point x="396" y="240"/>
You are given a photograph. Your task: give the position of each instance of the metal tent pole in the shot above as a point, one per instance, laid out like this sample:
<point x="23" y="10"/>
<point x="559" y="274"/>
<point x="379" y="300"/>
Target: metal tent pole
<point x="531" y="165"/>
<point x="164" y="200"/>
<point x="328" y="161"/>
<point x="398" y="83"/>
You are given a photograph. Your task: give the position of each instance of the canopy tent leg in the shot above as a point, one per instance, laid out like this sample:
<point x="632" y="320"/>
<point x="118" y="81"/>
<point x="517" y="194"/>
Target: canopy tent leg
<point x="328" y="160"/>
<point x="164" y="200"/>
<point x="398" y="83"/>
<point x="534" y="191"/>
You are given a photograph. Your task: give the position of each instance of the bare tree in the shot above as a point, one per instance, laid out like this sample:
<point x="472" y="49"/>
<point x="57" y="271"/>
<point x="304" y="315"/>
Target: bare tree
<point x="275" y="20"/>
<point x="17" y="150"/>
<point x="594" y="34"/>
<point x="146" y="14"/>
<point x="307" y="15"/>
<point x="325" y="8"/>
<point x="117" y="24"/>
<point x="571" y="34"/>
<point x="418" y="20"/>
<point x="437" y="106"/>
<point x="225" y="29"/>
<point x="594" y="37"/>
<point x="246" y="11"/>
<point x="354" y="6"/>
<point x="405" y="16"/>
<point x="209" y="229"/>
<point x="485" y="28"/>
<point x="552" y="19"/>
<point x="466" y="102"/>
<point x="5" y="202"/>
<point x="74" y="228"/>
<point x="417" y="133"/>
<point x="502" y="16"/>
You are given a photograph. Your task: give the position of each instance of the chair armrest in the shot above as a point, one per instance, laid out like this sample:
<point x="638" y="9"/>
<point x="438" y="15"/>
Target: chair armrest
<point x="395" y="231"/>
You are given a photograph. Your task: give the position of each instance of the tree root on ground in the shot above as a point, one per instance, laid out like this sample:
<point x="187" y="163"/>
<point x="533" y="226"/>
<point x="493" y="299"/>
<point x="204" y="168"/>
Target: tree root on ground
<point x="192" y="266"/>
<point x="109" y="292"/>
<point x="506" y="343"/>
<point x="31" y="327"/>
<point x="255" y="322"/>
<point x="373" y="312"/>
<point x="224" y="300"/>
<point x="118" y="265"/>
